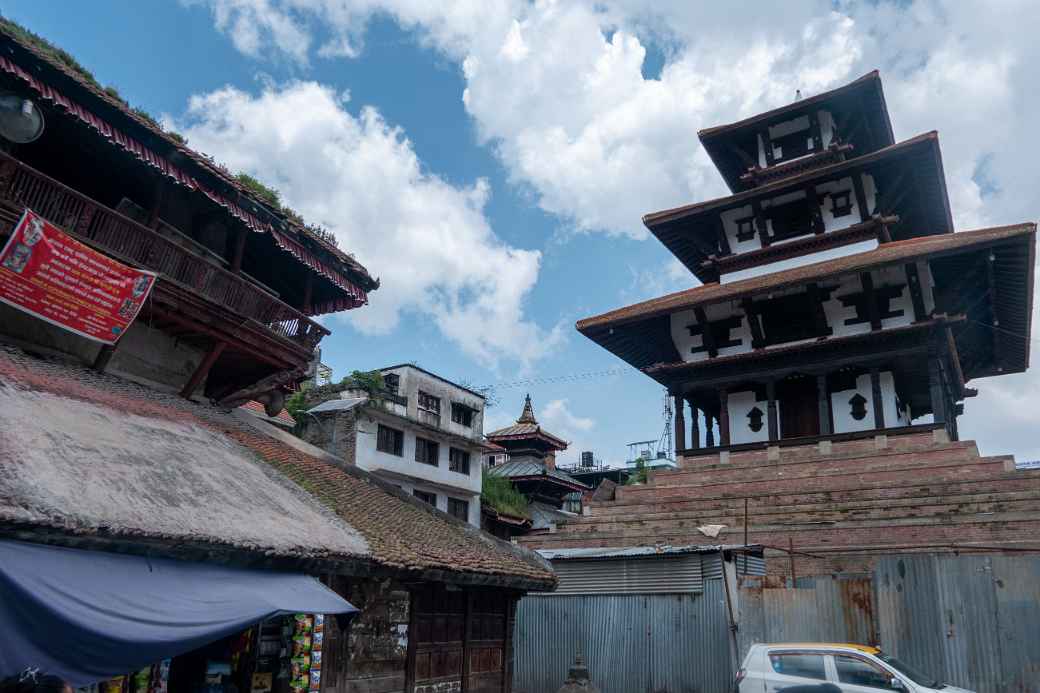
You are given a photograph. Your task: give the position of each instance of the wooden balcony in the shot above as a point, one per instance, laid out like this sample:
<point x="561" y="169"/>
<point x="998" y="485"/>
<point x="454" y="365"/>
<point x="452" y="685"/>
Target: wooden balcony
<point x="140" y="246"/>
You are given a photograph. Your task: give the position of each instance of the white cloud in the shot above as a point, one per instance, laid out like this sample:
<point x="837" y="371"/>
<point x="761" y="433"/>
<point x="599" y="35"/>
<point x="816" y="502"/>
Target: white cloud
<point x="557" y="418"/>
<point x="557" y="89"/>
<point x="359" y="176"/>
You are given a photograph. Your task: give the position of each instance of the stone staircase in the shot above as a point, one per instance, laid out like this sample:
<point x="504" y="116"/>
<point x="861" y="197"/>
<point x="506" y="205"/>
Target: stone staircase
<point x="837" y="504"/>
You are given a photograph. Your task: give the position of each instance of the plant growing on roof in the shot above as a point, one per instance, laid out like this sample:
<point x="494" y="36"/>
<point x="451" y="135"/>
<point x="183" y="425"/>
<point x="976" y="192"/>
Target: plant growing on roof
<point x="499" y="493"/>
<point x="370" y="381"/>
<point x="641" y="474"/>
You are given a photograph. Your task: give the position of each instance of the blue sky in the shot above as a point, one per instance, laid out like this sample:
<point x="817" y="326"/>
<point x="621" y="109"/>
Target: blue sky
<point x="492" y="159"/>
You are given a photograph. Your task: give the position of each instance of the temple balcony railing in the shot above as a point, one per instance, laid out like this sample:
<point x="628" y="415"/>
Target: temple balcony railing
<point x="120" y="237"/>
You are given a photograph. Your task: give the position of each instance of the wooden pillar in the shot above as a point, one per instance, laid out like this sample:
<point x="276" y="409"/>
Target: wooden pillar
<point x="103" y="357"/>
<point x="695" y="427"/>
<point x="723" y="417"/>
<point x="200" y="373"/>
<point x="157" y="203"/>
<point x="936" y="389"/>
<point x="913" y="279"/>
<point x="771" y="417"/>
<point x="709" y="435"/>
<point x="861" y="196"/>
<point x="760" y="223"/>
<point x="467" y="647"/>
<point x="824" y="400"/>
<point x="680" y="424"/>
<point x="870" y="300"/>
<point x="239" y="251"/>
<point x="879" y="408"/>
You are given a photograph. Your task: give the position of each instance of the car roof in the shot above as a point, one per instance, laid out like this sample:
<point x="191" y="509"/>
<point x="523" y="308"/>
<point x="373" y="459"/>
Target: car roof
<point x="822" y="645"/>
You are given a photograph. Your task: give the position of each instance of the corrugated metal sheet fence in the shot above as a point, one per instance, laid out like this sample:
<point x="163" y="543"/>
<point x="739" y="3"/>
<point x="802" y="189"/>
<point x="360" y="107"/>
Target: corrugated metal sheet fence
<point x="974" y="621"/>
<point x="652" y="643"/>
<point x="820" y="609"/>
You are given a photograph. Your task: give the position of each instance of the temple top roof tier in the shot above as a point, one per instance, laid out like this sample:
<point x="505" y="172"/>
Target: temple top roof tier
<point x="849" y="121"/>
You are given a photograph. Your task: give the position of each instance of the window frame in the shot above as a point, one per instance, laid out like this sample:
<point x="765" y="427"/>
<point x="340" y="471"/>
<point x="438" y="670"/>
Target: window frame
<point x="800" y="653"/>
<point x="845" y="208"/>
<point x="425" y="496"/>
<point x="889" y="675"/>
<point x="746" y="230"/>
<point x="427" y="444"/>
<point x="424" y="401"/>
<point x="392" y="383"/>
<point x="453" y="504"/>
<point x="466" y="460"/>
<point x="398" y="440"/>
<point x="464" y="411"/>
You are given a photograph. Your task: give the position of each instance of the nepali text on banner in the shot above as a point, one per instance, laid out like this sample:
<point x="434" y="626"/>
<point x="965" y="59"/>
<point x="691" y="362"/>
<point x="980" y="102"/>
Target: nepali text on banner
<point x="47" y="273"/>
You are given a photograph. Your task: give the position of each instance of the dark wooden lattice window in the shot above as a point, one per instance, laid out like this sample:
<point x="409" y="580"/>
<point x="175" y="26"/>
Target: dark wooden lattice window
<point x="390" y="440"/>
<point x="883" y="297"/>
<point x="755" y="419"/>
<point x="841" y="203"/>
<point x="858" y="404"/>
<point x="458" y="508"/>
<point x="792" y="318"/>
<point x="790" y="220"/>
<point x="792" y="145"/>
<point x="745" y="229"/>
<point x="426" y="451"/>
<point x="458" y="460"/>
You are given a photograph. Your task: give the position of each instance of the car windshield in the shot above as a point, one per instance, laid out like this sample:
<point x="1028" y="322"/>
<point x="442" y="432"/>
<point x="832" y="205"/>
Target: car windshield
<point x="914" y="675"/>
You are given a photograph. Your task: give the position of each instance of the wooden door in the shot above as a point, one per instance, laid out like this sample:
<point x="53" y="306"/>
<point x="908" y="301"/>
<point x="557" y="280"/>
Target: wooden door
<point x="799" y="408"/>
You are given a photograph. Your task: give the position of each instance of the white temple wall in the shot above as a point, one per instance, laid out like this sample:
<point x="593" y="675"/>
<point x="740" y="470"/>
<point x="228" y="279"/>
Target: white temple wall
<point x="729" y="224"/>
<point x="826" y="128"/>
<point x="739" y="405"/>
<point x="842" y="409"/>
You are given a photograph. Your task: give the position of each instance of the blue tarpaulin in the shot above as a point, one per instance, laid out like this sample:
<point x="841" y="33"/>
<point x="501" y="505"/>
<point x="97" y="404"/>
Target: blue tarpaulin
<point x="88" y="615"/>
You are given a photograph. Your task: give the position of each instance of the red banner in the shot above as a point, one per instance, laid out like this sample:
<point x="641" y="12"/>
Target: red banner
<point x="47" y="273"/>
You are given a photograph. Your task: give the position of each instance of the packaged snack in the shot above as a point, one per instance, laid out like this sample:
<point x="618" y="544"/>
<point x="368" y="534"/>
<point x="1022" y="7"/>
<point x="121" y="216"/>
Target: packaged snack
<point x="315" y="660"/>
<point x="315" y="680"/>
<point x="304" y="623"/>
<point x="316" y="641"/>
<point x="319" y="623"/>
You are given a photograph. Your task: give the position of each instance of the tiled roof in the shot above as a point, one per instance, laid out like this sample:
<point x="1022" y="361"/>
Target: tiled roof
<point x="888" y="253"/>
<point x="254" y="407"/>
<point x="175" y="474"/>
<point x="515" y="469"/>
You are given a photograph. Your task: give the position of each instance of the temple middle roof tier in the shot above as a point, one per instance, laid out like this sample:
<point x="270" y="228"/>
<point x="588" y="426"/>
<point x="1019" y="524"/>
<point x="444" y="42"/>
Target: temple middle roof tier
<point x="984" y="275"/>
<point x="902" y="183"/>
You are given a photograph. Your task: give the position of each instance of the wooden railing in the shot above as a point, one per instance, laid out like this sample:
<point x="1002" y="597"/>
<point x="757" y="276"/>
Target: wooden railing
<point x="136" y="244"/>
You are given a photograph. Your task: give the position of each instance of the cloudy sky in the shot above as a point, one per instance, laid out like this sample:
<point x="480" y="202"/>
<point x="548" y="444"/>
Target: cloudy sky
<point x="490" y="161"/>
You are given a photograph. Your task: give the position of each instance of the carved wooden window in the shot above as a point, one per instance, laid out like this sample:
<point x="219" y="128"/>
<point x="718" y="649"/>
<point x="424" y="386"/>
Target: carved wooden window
<point x="790" y="219"/>
<point x="859" y="407"/>
<point x="841" y="203"/>
<point x="745" y="229"/>
<point x="720" y="331"/>
<point x="755" y="419"/>
<point x="792" y="318"/>
<point x="792" y="145"/>
<point x="883" y="297"/>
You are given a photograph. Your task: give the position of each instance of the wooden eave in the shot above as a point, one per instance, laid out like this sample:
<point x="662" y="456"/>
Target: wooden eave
<point x="867" y="97"/>
<point x="690" y="232"/>
<point x="641" y="334"/>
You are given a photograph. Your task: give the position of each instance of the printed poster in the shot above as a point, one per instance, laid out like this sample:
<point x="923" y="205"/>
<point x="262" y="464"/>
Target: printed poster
<point x="48" y="274"/>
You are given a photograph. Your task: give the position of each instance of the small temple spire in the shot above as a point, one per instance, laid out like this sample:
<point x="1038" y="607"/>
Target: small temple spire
<point x="528" y="414"/>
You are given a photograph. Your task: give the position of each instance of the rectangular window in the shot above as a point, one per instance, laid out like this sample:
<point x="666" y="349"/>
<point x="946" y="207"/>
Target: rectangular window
<point x="390" y="440"/>
<point x="791" y="318"/>
<point x="426" y="451"/>
<point x="492" y="460"/>
<point x="790" y="219"/>
<point x="841" y="203"/>
<point x="745" y="229"/>
<point x="458" y="460"/>
<point x="860" y="672"/>
<point x="461" y="414"/>
<point x="425" y="497"/>
<point x="428" y="402"/>
<point x="458" y="508"/>
<point x="392" y="382"/>
<point x="808" y="666"/>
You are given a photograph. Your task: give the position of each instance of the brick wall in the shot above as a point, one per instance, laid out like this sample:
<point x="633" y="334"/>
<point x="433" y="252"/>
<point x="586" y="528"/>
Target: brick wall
<point x="373" y="658"/>
<point x="335" y="433"/>
<point x="839" y="505"/>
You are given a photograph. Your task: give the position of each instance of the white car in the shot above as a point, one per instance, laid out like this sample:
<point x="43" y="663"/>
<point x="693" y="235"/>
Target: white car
<point x="830" y="668"/>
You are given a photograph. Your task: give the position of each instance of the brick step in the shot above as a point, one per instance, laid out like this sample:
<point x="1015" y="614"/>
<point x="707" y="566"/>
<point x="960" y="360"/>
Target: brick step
<point x="937" y="508"/>
<point x="1004" y="527"/>
<point x="980" y="469"/>
<point x="1015" y="482"/>
<point x="734" y="508"/>
<point x="809" y="453"/>
<point x="817" y="467"/>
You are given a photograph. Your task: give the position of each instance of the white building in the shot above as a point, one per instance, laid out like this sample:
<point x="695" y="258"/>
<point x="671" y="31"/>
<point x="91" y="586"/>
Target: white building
<point x="423" y="433"/>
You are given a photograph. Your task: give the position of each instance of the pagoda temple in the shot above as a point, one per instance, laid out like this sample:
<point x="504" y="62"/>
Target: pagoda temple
<point x="836" y="301"/>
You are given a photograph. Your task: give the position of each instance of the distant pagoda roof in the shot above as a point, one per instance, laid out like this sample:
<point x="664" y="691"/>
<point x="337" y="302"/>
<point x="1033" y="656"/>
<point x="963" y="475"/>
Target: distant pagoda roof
<point x="862" y="98"/>
<point x="526" y="428"/>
